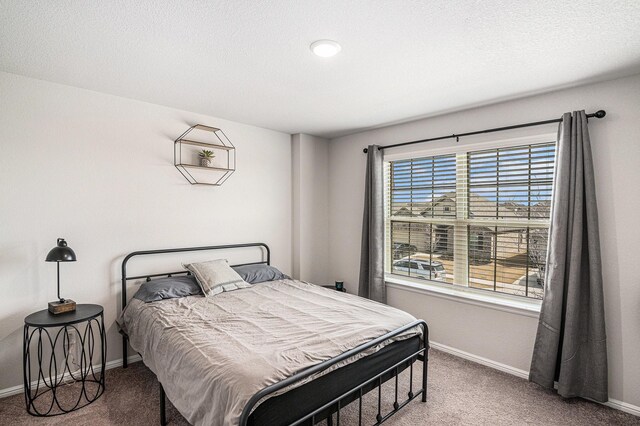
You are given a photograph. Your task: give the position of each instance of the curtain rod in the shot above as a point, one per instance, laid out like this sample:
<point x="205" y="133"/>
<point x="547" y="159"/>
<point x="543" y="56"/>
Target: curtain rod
<point x="598" y="114"/>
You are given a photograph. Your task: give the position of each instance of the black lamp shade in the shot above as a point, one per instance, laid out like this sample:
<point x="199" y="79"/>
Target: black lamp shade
<point x="61" y="253"/>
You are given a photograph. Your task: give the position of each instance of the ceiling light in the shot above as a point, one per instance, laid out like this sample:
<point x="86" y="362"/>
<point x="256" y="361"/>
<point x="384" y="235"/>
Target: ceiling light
<point x="325" y="48"/>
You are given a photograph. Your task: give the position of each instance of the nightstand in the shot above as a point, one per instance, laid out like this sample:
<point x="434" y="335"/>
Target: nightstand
<point x="344" y="290"/>
<point x="59" y="351"/>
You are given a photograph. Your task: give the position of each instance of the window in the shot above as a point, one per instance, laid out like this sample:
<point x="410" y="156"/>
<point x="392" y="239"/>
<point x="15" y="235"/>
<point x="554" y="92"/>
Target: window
<point x="477" y="219"/>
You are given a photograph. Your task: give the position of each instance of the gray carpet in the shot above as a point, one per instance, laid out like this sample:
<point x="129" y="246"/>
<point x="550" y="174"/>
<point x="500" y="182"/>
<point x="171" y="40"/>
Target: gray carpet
<point x="460" y="393"/>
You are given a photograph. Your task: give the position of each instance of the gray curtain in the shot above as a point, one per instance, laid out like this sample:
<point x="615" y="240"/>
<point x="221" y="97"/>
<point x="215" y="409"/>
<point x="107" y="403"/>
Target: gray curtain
<point x="570" y="345"/>
<point x="372" y="254"/>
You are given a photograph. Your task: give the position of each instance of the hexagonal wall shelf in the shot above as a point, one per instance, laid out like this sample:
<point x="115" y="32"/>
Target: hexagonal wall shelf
<point x="199" y="168"/>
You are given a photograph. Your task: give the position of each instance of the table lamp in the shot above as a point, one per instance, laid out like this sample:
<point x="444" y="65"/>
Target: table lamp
<point x="61" y="253"/>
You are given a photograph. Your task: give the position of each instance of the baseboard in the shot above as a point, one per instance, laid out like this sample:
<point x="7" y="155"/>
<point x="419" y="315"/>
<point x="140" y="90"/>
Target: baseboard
<point x="613" y="403"/>
<point x="14" y="390"/>
<point x="623" y="406"/>
<point x="480" y="360"/>
<point x="118" y="362"/>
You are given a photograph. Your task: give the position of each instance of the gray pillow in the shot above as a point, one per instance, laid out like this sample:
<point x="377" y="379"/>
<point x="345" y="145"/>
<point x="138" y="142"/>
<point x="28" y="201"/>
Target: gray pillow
<point x="168" y="288"/>
<point x="216" y="276"/>
<point x="259" y="273"/>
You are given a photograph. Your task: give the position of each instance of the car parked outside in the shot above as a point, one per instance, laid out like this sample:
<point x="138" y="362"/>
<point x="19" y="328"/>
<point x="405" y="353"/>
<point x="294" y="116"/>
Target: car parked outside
<point x="420" y="268"/>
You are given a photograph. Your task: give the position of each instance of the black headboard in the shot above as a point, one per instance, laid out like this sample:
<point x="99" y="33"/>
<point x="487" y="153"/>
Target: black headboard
<point x="148" y="277"/>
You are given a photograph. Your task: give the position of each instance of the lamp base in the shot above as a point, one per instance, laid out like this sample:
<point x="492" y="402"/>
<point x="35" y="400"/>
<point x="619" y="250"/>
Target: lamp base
<point x="59" y="307"/>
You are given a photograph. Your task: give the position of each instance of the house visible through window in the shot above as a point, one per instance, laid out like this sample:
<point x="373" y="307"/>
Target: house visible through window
<point x="478" y="219"/>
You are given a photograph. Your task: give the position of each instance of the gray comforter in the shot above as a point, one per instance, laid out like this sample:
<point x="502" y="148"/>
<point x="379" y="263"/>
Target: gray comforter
<point x="212" y="354"/>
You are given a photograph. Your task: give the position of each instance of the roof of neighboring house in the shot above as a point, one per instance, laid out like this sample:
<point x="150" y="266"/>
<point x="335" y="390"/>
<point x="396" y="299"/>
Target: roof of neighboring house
<point x="478" y="203"/>
<point x="420" y="208"/>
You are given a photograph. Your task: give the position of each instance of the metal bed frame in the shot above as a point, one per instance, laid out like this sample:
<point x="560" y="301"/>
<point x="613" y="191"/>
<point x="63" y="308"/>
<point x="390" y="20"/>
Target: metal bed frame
<point x="333" y="406"/>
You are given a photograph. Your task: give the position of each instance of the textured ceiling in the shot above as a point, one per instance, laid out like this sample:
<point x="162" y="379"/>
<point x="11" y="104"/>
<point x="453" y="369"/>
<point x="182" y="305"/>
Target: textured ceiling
<point x="249" y="61"/>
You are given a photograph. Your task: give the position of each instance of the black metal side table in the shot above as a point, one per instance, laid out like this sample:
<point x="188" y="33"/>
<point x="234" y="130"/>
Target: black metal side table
<point x="69" y="380"/>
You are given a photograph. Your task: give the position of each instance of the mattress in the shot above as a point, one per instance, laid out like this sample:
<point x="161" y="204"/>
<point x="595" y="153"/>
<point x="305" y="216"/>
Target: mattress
<point x="212" y="354"/>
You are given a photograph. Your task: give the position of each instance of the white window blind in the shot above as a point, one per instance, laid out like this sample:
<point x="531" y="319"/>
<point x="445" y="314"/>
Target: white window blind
<point x="478" y="219"/>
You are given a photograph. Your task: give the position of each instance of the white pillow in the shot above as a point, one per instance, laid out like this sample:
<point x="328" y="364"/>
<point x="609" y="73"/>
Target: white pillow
<point x="216" y="276"/>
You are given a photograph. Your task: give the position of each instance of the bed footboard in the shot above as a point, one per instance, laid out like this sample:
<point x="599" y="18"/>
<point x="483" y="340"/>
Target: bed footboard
<point x="334" y="405"/>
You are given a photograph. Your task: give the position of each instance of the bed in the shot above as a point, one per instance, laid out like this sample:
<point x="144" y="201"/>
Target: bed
<point x="279" y="352"/>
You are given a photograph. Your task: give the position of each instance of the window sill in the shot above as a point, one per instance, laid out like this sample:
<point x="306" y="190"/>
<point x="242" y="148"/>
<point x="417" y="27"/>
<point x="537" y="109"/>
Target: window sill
<point x="530" y="308"/>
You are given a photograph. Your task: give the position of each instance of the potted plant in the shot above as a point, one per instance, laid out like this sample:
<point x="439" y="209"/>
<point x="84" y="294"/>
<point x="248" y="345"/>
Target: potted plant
<point x="205" y="157"/>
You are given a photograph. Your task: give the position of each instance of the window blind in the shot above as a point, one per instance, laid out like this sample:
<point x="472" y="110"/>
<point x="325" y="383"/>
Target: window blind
<point x="477" y="219"/>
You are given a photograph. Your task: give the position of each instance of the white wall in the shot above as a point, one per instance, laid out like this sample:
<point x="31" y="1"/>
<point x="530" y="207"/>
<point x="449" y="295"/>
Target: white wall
<point x="505" y="337"/>
<point x="310" y="166"/>
<point x="98" y="171"/>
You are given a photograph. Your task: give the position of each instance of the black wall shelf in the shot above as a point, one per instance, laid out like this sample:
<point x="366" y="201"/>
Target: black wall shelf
<point x="185" y="155"/>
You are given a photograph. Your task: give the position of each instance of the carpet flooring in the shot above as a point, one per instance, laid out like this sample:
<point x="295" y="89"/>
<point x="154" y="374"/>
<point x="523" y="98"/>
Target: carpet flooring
<point x="459" y="393"/>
